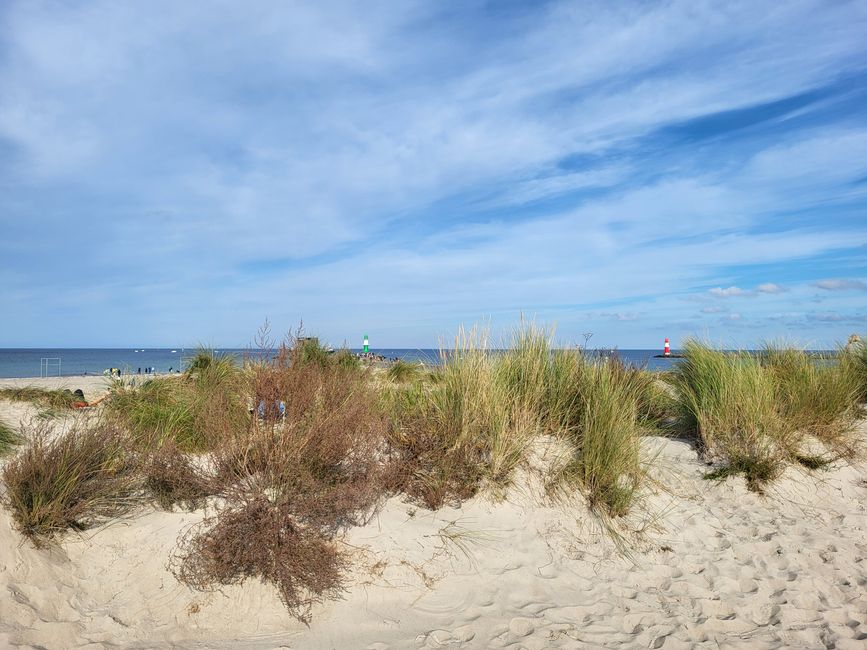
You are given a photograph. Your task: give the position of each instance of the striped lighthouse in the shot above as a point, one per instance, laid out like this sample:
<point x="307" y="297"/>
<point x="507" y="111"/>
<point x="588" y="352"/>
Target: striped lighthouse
<point x="666" y="352"/>
<point x="367" y="344"/>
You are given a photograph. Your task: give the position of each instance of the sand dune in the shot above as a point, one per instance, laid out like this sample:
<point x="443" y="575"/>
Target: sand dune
<point x="713" y="565"/>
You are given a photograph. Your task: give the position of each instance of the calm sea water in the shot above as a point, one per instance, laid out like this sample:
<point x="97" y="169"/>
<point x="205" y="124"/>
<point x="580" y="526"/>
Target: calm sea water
<point x="27" y="362"/>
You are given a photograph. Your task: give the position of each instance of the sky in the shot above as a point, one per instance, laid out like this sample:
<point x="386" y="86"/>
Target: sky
<point x="177" y="172"/>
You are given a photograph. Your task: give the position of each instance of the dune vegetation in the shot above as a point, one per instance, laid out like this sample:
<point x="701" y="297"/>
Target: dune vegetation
<point x="52" y="399"/>
<point x="9" y="438"/>
<point x="292" y="444"/>
<point x="755" y="413"/>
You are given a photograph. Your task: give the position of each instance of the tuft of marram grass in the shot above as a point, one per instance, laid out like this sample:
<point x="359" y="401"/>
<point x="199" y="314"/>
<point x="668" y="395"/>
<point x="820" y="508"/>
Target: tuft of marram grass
<point x="401" y="371"/>
<point x="474" y="425"/>
<point x="72" y="481"/>
<point x="9" y="438"/>
<point x="599" y="419"/>
<point x="817" y="396"/>
<point x="855" y="356"/>
<point x="731" y="402"/>
<point x="191" y="411"/>
<point x="49" y="398"/>
<point x="452" y="436"/>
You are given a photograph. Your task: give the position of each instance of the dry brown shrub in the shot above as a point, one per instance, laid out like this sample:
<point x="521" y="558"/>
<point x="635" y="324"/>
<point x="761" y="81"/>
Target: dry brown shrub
<point x="174" y="478"/>
<point x="260" y="539"/>
<point x="322" y="456"/>
<point x="291" y="481"/>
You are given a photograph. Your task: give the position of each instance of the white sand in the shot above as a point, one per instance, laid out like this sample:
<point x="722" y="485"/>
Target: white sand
<point x="719" y="567"/>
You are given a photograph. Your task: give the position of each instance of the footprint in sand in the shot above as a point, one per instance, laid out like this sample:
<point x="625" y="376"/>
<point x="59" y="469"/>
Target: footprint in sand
<point x="520" y="626"/>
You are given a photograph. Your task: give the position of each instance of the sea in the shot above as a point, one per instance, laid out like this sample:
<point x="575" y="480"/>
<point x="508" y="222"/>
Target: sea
<point x="71" y="362"/>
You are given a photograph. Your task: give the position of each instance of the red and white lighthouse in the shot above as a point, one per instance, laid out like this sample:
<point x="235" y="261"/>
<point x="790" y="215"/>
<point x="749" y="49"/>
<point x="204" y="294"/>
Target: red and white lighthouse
<point x="667" y="351"/>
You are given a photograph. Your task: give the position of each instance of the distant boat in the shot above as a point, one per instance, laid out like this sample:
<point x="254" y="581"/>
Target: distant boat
<point x="173" y="351"/>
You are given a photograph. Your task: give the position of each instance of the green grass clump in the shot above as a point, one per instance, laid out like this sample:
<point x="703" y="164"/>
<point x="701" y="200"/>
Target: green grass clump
<point x="855" y="356"/>
<point x="53" y="398"/>
<point x="599" y="416"/>
<point x="309" y="350"/>
<point x="9" y="438"/>
<point x="450" y="437"/>
<point x="191" y="411"/>
<point x="401" y="371"/>
<point x="731" y="402"/>
<point x="474" y="425"/>
<point x="72" y="481"/>
<point x="523" y="370"/>
<point x="816" y="395"/>
<point x="346" y="359"/>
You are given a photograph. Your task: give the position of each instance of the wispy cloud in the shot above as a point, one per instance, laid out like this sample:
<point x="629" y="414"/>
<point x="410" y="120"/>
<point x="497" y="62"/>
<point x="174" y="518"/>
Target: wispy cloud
<point x="770" y="287"/>
<point x="841" y="285"/>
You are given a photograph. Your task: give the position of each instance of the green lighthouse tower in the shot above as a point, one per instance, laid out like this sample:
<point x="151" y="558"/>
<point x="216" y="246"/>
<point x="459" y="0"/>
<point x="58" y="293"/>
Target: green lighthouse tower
<point x="366" y="344"/>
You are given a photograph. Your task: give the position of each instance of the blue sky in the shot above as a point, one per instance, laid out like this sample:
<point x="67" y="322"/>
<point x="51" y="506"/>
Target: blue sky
<point x="173" y="173"/>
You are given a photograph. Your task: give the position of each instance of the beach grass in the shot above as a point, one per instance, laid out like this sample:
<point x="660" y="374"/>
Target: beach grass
<point x="855" y="356"/>
<point x="191" y="411"/>
<point x="817" y="396"/>
<point x="346" y="359"/>
<point x="730" y="402"/>
<point x="452" y="436"/>
<point x="401" y="371"/>
<point x="297" y="444"/>
<point x="74" y="480"/>
<point x="48" y="398"/>
<point x="473" y="426"/>
<point x="599" y="418"/>
<point x="9" y="438"/>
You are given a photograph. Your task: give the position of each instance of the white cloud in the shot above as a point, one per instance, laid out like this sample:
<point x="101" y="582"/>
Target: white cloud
<point x="841" y="285"/>
<point x="728" y="292"/>
<point x="770" y="287"/>
<point x="620" y="316"/>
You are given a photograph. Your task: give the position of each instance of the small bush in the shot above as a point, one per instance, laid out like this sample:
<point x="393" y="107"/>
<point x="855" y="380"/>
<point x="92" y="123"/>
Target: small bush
<point x="9" y="438"/>
<point x="75" y="480"/>
<point x="322" y="453"/>
<point x="261" y="539"/>
<point x="310" y="351"/>
<point x="173" y="478"/>
<point x="290" y="482"/>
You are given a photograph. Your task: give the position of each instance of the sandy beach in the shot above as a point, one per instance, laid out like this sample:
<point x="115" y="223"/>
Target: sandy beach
<point x="710" y="565"/>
